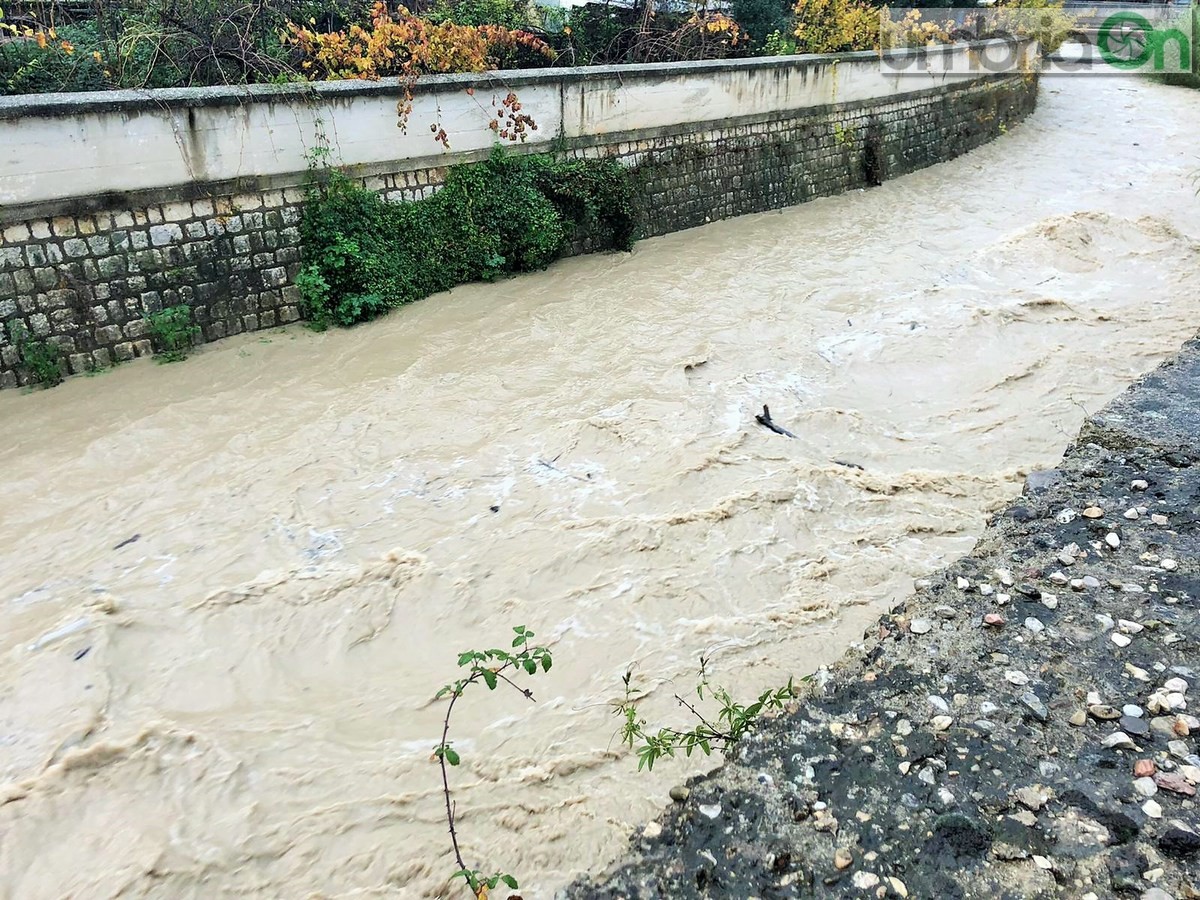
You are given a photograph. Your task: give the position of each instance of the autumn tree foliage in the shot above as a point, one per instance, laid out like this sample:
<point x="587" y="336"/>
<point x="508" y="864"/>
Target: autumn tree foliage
<point x="44" y="38"/>
<point x="833" y="26"/>
<point x="403" y="45"/>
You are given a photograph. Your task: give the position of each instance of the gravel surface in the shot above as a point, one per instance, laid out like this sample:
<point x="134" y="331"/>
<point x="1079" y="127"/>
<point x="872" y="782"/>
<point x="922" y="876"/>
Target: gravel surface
<point x="1024" y="726"/>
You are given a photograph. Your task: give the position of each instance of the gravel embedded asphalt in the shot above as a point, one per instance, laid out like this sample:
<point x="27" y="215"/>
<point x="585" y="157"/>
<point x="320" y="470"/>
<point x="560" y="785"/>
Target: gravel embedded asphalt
<point x="1024" y="726"/>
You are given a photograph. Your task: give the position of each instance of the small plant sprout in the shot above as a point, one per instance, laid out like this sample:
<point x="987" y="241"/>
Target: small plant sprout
<point x="173" y="332"/>
<point x="40" y="359"/>
<point x="720" y="731"/>
<point x="491" y="668"/>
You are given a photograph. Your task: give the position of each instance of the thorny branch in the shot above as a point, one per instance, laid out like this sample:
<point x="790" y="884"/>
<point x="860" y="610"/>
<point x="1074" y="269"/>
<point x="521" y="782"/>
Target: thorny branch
<point x="733" y="721"/>
<point x="490" y="667"/>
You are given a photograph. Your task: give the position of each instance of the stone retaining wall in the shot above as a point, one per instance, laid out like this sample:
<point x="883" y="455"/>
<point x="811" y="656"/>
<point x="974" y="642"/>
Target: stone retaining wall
<point x="86" y="272"/>
<point x="731" y="170"/>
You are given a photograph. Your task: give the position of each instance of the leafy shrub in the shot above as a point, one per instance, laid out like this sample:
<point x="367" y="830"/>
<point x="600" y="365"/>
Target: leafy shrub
<point x="760" y="18"/>
<point x="914" y="29"/>
<point x="721" y="731"/>
<point x="165" y="43"/>
<point x="64" y="59"/>
<point x="779" y="44"/>
<point x="175" y="43"/>
<point x="173" y="332"/>
<point x="835" y="26"/>
<point x="40" y="360"/>
<point x="505" y="13"/>
<point x="363" y="255"/>
<point x="490" y="668"/>
<point x="1044" y="20"/>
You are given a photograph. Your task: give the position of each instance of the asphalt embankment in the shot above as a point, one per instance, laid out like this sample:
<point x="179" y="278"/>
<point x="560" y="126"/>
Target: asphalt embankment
<point x="1024" y="726"/>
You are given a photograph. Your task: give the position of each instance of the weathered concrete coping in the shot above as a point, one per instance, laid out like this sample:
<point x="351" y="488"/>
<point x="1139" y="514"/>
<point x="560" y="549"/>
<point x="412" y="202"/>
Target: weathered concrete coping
<point x="65" y="147"/>
<point x="70" y="104"/>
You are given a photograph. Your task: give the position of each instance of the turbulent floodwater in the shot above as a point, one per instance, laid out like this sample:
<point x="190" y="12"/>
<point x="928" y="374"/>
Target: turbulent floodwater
<point x="239" y="701"/>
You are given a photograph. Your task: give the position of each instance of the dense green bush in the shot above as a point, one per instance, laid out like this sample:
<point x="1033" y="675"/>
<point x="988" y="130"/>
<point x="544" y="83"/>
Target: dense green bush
<point x="181" y="43"/>
<point x="363" y="255"/>
<point x="175" y="43"/>
<point x="166" y="43"/>
<point x="173" y="331"/>
<point x="595" y="34"/>
<point x="328" y="15"/>
<point x="761" y="18"/>
<point x="508" y="13"/>
<point x="41" y="361"/>
<point x="27" y="68"/>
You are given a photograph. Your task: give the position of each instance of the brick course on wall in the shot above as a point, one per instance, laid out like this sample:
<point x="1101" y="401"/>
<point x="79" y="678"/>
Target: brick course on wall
<point x="88" y="282"/>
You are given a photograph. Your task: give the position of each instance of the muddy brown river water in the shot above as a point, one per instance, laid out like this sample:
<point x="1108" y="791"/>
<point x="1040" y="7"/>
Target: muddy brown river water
<point x="239" y="702"/>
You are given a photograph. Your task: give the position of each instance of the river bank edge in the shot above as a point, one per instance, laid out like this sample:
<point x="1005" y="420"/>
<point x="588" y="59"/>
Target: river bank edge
<point x="1022" y="727"/>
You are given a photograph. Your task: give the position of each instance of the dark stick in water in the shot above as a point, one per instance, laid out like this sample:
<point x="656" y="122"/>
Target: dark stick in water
<point x="766" y="422"/>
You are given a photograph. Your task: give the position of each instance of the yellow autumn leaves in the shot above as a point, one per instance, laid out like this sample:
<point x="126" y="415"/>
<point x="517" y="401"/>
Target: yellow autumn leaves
<point x="405" y="45"/>
<point x="835" y="26"/>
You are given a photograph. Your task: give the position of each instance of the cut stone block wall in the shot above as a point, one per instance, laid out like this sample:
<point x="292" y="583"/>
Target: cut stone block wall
<point x="690" y="178"/>
<point x="85" y="273"/>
